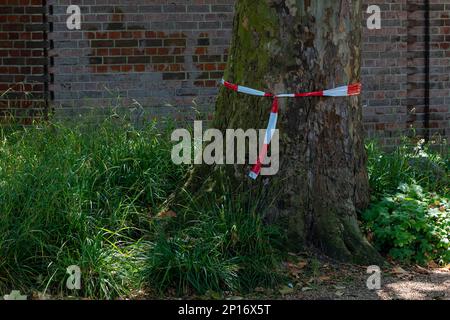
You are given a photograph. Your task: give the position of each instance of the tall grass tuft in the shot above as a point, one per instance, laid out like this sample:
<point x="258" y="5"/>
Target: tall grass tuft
<point x="409" y="163"/>
<point x="80" y="196"/>
<point x="217" y="242"/>
<point x="89" y="195"/>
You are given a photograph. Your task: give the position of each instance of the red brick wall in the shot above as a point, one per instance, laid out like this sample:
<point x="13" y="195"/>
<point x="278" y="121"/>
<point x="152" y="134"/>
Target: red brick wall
<point x="168" y="55"/>
<point x="429" y="90"/>
<point x="384" y="78"/>
<point x="22" y="59"/>
<point x="394" y="71"/>
<point x="163" y="54"/>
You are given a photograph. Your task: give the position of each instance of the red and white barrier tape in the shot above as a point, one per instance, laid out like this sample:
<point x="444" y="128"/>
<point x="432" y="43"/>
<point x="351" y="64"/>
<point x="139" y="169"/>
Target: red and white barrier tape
<point x="344" y="91"/>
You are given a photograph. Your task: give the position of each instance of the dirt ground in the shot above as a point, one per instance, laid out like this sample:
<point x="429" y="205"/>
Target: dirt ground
<point x="319" y="278"/>
<point x="324" y="280"/>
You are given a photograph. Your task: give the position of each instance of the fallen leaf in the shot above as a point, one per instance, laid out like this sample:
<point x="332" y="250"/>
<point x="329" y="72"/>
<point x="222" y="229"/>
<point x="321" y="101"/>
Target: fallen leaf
<point x="324" y="278"/>
<point x="296" y="268"/>
<point x="235" y="298"/>
<point x="421" y="270"/>
<point x="339" y="288"/>
<point x="40" y="296"/>
<point x="401" y="273"/>
<point x="286" y="290"/>
<point x="339" y="293"/>
<point x="167" y="214"/>
<point x="399" y="270"/>
<point x="304" y="289"/>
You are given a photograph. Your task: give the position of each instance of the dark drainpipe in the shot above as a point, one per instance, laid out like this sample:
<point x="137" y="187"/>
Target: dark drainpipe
<point x="427" y="40"/>
<point x="45" y="41"/>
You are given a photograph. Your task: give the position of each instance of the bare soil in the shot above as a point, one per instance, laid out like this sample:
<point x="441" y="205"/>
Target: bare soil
<point x="326" y="280"/>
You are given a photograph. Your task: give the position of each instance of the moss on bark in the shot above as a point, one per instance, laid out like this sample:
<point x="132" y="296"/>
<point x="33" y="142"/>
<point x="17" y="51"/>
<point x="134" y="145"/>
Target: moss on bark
<point x="295" y="46"/>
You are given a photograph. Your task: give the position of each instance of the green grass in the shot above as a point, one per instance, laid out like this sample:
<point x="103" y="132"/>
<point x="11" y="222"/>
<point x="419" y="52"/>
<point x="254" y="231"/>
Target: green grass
<point x="409" y="218"/>
<point x="80" y="196"/>
<point x="218" y="243"/>
<point x="89" y="195"/>
<point x="409" y="163"/>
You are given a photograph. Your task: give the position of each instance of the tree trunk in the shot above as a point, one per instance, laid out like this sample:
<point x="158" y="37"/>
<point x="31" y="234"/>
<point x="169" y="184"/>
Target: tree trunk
<point x="286" y="46"/>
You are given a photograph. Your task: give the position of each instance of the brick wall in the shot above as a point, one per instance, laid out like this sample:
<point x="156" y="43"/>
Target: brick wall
<point x="168" y="55"/>
<point x="428" y="102"/>
<point x="384" y="73"/>
<point x="406" y="73"/>
<point x="163" y="54"/>
<point x="22" y="59"/>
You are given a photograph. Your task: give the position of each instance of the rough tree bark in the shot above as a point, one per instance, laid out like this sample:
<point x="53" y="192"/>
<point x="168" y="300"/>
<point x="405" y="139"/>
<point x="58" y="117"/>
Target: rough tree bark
<point x="299" y="46"/>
